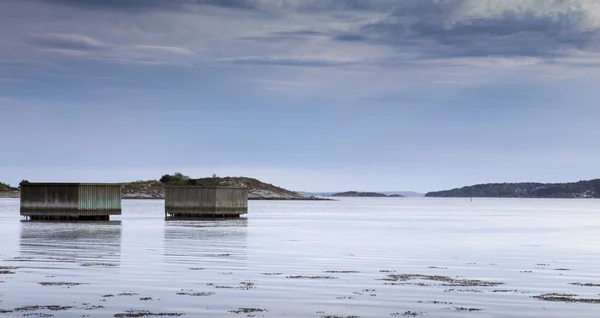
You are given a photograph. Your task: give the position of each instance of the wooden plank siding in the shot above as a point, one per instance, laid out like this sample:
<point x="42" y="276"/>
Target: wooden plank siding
<point x="201" y="202"/>
<point x="70" y="200"/>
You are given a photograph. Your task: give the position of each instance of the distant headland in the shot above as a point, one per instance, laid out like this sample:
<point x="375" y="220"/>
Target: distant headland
<point x="365" y="195"/>
<point x="6" y="191"/>
<point x="580" y="189"/>
<point x="155" y="189"/>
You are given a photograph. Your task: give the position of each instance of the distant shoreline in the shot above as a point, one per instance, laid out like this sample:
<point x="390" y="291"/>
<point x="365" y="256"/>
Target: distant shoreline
<point x="17" y="196"/>
<point x="10" y="195"/>
<point x="586" y="189"/>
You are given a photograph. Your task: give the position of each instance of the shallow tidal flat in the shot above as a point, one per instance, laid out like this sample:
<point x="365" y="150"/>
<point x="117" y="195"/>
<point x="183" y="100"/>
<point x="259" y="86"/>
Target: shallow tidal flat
<point x="358" y="257"/>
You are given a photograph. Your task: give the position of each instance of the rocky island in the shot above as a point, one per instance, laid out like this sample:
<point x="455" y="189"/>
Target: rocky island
<point x="365" y="195"/>
<point x="257" y="190"/>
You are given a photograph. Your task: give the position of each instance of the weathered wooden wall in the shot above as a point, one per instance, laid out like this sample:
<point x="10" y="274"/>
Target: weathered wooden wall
<point x="232" y="198"/>
<point x="192" y="201"/>
<point x="70" y="200"/>
<point x="48" y="198"/>
<point x="95" y="197"/>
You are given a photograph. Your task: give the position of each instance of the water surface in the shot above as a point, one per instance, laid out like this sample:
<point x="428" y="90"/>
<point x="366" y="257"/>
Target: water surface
<point x="309" y="259"/>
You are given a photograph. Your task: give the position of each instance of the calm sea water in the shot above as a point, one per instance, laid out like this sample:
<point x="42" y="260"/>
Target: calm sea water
<point x="309" y="259"/>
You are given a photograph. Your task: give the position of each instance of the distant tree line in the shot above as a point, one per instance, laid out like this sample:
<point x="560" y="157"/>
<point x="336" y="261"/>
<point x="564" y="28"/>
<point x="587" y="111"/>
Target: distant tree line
<point x="176" y="178"/>
<point x="179" y="178"/>
<point x="581" y="189"/>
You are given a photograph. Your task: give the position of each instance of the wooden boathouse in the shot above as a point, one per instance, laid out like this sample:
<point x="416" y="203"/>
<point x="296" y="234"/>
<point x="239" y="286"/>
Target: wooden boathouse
<point x="70" y="201"/>
<point x="205" y="201"/>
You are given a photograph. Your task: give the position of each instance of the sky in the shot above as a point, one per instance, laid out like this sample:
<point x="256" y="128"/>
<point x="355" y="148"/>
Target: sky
<point x="312" y="95"/>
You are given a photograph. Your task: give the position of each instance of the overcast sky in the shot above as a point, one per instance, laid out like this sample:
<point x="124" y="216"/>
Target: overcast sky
<point x="319" y="95"/>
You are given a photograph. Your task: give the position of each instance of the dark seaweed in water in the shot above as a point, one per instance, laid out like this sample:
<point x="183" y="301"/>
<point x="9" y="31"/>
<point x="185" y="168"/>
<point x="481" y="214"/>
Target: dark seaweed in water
<point x="145" y="313"/>
<point x="247" y="310"/>
<point x="92" y="307"/>
<point x="19" y="259"/>
<point x="246" y="285"/>
<point x="191" y="292"/>
<point x="8" y="270"/>
<point x="566" y="298"/>
<point x="342" y="272"/>
<point x="463" y="290"/>
<point x="585" y="284"/>
<point x="455" y="308"/>
<point x="408" y="313"/>
<point x="447" y="281"/>
<point x="36" y="308"/>
<point x="311" y="277"/>
<point x="98" y="265"/>
<point x="68" y="284"/>
<point x="435" y="302"/>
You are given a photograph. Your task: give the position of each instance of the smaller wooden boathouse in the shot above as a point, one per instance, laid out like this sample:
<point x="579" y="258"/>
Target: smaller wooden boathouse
<point x="205" y="201"/>
<point x="70" y="201"/>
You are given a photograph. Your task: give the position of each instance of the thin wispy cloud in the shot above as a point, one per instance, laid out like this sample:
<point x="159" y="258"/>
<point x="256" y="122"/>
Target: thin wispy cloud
<point x="166" y="49"/>
<point x="67" y="42"/>
<point x="289" y="61"/>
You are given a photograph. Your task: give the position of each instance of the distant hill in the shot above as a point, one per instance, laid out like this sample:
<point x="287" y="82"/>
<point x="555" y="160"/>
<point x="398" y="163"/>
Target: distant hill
<point x="581" y="189"/>
<point x="150" y="189"/>
<point x="364" y="194"/>
<point x="257" y="190"/>
<point x="358" y="194"/>
<point x="388" y="193"/>
<point x="6" y="191"/>
<point x="153" y="189"/>
<point x="405" y="193"/>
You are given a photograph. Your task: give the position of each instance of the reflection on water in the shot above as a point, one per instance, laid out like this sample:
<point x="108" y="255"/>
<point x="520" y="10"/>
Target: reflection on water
<point x="204" y="242"/>
<point x="85" y="243"/>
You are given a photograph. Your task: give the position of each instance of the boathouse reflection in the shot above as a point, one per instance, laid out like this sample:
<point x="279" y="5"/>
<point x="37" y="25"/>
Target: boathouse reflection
<point x="201" y="243"/>
<point x="85" y="243"/>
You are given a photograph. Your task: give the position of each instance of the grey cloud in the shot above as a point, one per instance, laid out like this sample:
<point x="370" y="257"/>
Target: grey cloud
<point x="67" y="42"/>
<point x="440" y="28"/>
<point x="150" y="4"/>
<point x="291" y="61"/>
<point x="269" y="5"/>
<point x="275" y="37"/>
<point x="299" y="33"/>
<point x="351" y="37"/>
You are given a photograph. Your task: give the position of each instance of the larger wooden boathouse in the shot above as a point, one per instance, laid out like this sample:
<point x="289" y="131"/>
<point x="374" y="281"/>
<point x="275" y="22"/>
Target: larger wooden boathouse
<point x="205" y="201"/>
<point x="70" y="201"/>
